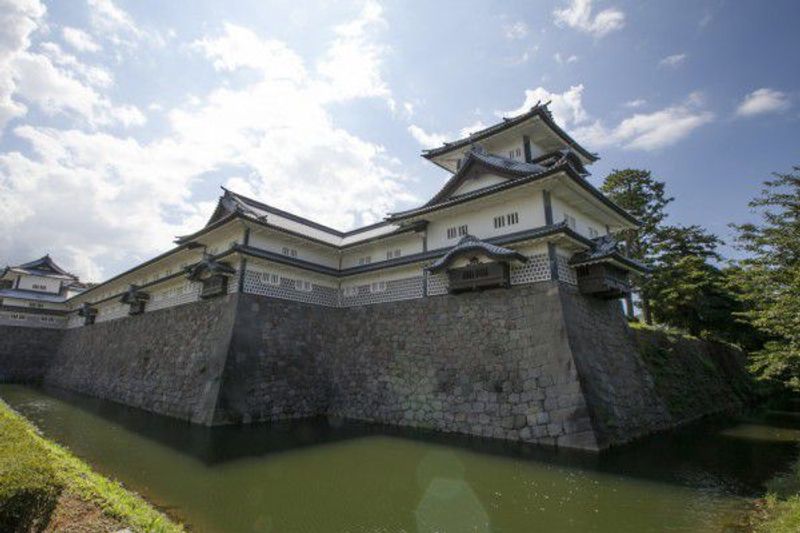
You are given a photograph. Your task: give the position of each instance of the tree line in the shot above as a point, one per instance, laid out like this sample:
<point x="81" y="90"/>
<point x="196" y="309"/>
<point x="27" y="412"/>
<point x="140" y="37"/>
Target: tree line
<point x="752" y="302"/>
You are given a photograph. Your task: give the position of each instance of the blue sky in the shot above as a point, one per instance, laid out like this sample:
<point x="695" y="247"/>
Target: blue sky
<point x="119" y="120"/>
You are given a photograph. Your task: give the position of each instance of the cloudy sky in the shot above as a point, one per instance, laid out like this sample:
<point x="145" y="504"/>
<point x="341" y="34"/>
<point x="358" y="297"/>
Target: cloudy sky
<point x="120" y="119"/>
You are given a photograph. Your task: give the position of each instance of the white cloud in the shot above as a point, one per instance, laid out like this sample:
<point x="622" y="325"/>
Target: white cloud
<point x="673" y="61"/>
<point x="113" y="22"/>
<point x="564" y="59"/>
<point x="516" y="30"/>
<point x="763" y="101"/>
<point x="50" y="79"/>
<point x="351" y="67"/>
<point x="268" y="134"/>
<point x="472" y="128"/>
<point x="638" y="102"/>
<point x="239" y="47"/>
<point x="578" y="15"/>
<point x="18" y="20"/>
<point x="79" y="40"/>
<point x="567" y="107"/>
<point x="93" y="75"/>
<point x="649" y="131"/>
<point x="425" y="139"/>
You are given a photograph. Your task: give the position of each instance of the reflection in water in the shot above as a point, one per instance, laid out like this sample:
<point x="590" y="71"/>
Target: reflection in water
<point x="336" y="475"/>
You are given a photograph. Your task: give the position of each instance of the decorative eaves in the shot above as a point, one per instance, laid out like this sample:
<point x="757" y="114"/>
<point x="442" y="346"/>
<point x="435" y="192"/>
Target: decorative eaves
<point x="469" y="245"/>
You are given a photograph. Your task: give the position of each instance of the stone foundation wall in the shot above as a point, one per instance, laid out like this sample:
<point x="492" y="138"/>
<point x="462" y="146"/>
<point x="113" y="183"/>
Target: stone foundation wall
<point x="495" y="363"/>
<point x="26" y="353"/>
<point x="277" y="365"/>
<point x="169" y="361"/>
<point x="538" y="363"/>
<point x="619" y="389"/>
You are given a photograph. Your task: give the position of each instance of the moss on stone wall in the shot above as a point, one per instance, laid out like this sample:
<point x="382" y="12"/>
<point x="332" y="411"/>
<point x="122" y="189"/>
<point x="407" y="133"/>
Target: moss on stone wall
<point x="695" y="377"/>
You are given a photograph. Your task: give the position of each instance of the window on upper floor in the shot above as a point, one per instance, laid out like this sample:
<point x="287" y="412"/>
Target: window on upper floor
<point x="516" y="153"/>
<point x="512" y="218"/>
<point x="463" y="230"/>
<point x="500" y="221"/>
<point x="367" y="259"/>
<point x="570" y="220"/>
<point x="291" y="252"/>
<point x="303" y="285"/>
<point x="39" y="287"/>
<point x="377" y="286"/>
<point x="452" y="233"/>
<point x="392" y="254"/>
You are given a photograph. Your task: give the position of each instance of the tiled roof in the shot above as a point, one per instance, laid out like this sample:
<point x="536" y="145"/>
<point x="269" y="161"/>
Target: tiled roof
<point x="606" y="247"/>
<point x="540" y="110"/>
<point x="511" y="168"/>
<point x="44" y="266"/>
<point x="470" y="244"/>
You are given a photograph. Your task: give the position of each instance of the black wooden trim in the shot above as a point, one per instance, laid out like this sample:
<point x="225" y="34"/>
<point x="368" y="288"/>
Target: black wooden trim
<point x="548" y="208"/>
<point x="526" y="146"/>
<point x="242" y="271"/>
<point x="553" y="257"/>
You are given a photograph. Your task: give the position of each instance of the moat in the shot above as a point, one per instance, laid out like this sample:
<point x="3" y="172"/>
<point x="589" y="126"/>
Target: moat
<point x="334" y="475"/>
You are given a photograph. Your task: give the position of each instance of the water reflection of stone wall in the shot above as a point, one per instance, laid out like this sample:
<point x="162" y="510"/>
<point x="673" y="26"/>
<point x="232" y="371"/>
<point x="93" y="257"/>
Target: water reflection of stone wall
<point x="538" y="363"/>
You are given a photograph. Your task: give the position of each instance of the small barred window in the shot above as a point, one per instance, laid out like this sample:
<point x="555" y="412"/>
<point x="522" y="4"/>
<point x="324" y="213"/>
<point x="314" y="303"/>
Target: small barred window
<point x="303" y="285"/>
<point x="377" y="286"/>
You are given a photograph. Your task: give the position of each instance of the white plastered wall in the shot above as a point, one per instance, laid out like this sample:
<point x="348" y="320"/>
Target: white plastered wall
<point x="480" y="220"/>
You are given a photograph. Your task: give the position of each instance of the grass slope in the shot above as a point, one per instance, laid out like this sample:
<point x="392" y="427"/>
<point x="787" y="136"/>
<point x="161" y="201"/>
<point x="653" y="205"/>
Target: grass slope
<point x="43" y="487"/>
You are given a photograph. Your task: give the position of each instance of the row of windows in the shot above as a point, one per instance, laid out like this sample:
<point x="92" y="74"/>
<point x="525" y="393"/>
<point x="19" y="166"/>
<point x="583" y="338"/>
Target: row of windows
<point x="506" y="220"/>
<point x="374" y="287"/>
<point x="390" y="254"/>
<point x="515" y="153"/>
<point x="459" y="231"/>
<point x="21" y="316"/>
<point x="39" y="287"/>
<point x="291" y="252"/>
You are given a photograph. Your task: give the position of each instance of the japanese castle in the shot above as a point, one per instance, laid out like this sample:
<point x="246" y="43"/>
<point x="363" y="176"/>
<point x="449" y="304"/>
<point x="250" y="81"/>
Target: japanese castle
<point x="517" y="209"/>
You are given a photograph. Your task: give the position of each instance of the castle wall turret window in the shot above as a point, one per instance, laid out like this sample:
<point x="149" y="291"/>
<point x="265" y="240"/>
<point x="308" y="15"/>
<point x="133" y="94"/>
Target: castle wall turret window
<point x="291" y="252"/>
<point x="367" y="259"/>
<point x="377" y="286"/>
<point x="392" y="254"/>
<point x="303" y="285"/>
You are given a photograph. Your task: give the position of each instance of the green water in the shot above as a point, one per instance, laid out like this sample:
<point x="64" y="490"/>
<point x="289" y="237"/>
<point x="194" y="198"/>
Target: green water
<point x="330" y="475"/>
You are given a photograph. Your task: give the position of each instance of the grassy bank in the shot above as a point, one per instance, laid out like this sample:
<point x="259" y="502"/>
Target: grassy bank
<point x="43" y="487"/>
<point x="780" y="510"/>
<point x="694" y="376"/>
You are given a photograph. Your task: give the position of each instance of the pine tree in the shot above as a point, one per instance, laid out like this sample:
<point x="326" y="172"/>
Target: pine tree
<point x="769" y="279"/>
<point x="644" y="197"/>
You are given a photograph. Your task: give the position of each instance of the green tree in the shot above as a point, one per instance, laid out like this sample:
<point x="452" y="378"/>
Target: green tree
<point x="686" y="289"/>
<point x="769" y="278"/>
<point x="644" y="197"/>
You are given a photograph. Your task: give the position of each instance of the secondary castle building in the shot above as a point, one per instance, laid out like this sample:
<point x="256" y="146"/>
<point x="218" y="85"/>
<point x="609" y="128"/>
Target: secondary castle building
<point x="517" y="209"/>
<point x="35" y="294"/>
